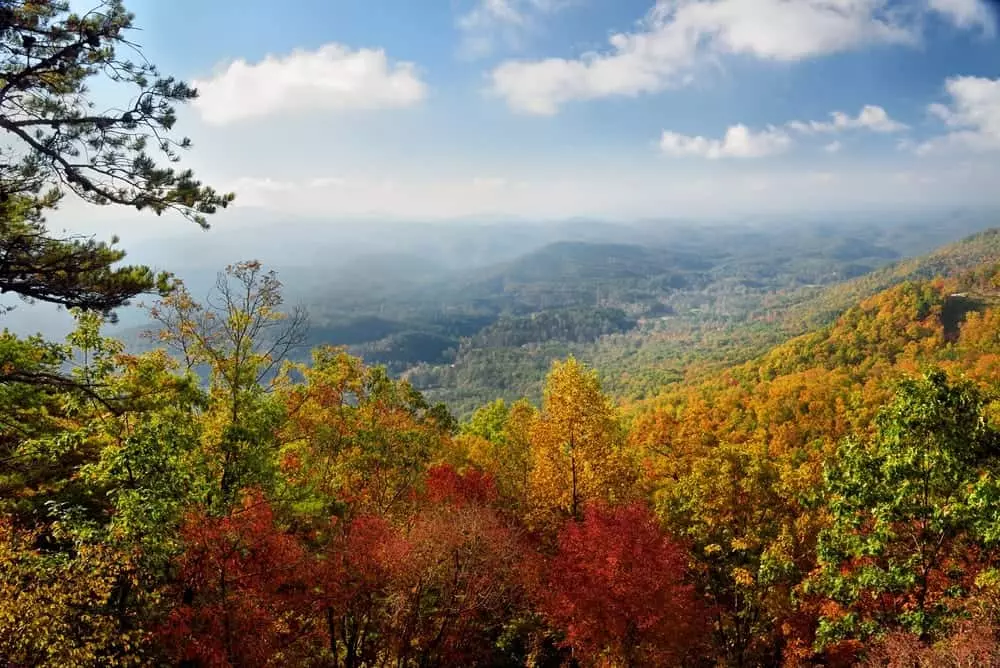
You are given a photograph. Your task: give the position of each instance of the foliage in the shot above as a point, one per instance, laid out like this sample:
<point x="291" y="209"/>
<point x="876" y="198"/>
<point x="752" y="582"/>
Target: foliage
<point x="914" y="512"/>
<point x="59" y="608"/>
<point x="353" y="577"/>
<point x="744" y="541"/>
<point x="617" y="587"/>
<point x="972" y="644"/>
<point x="57" y="143"/>
<point x="576" y="447"/>
<point x="500" y="443"/>
<point x="454" y="580"/>
<point x="355" y="435"/>
<point x="240" y="336"/>
<point x="73" y="272"/>
<point x="241" y="592"/>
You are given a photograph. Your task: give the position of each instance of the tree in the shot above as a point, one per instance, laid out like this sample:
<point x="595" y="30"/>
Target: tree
<point x="353" y="581"/>
<point x="34" y="413"/>
<point x="435" y="590"/>
<point x="56" y="605"/>
<point x="576" y="453"/>
<point x="970" y="645"/>
<point x="355" y="436"/>
<point x="744" y="543"/>
<point x="57" y="142"/>
<point x="499" y="442"/>
<point x="241" y="333"/>
<point x="455" y="575"/>
<point x="74" y="272"/>
<point x="150" y="467"/>
<point x="617" y="587"/>
<point x="914" y="511"/>
<point x="53" y="422"/>
<point x="102" y="482"/>
<point x="243" y="597"/>
<point x="488" y="421"/>
<point x="239" y="338"/>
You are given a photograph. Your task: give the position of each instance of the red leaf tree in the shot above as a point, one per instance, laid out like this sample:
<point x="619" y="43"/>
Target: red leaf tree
<point x="353" y="581"/>
<point x="243" y="596"/>
<point x="455" y="573"/>
<point x="445" y="485"/>
<point x="617" y="588"/>
<point x="435" y="589"/>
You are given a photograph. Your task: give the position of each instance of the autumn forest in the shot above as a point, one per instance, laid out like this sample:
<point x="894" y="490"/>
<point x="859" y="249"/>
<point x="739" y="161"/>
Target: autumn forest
<point x="233" y="492"/>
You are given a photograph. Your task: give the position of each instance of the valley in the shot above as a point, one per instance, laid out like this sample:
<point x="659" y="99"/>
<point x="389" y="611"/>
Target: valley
<point x="675" y="301"/>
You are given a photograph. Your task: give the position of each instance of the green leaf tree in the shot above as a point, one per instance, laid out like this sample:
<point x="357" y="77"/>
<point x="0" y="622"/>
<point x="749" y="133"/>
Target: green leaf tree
<point x="913" y="510"/>
<point x="500" y="444"/>
<point x="239" y="338"/>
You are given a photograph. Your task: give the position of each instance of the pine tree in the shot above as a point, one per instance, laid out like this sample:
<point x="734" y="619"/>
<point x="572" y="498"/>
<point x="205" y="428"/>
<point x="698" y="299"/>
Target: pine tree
<point x="56" y="142"/>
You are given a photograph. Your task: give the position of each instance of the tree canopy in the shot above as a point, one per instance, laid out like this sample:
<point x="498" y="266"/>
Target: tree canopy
<point x="61" y="139"/>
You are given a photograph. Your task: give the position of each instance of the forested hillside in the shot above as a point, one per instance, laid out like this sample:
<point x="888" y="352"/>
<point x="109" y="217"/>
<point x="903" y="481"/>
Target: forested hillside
<point x="832" y="501"/>
<point x="671" y="320"/>
<point x="677" y="297"/>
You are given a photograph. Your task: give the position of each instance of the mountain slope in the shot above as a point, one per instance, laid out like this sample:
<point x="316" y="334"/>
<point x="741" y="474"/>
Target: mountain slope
<point x="638" y="364"/>
<point x="648" y="310"/>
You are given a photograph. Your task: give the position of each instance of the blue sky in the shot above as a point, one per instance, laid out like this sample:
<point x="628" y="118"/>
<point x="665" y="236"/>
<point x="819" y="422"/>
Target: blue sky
<point x="448" y="109"/>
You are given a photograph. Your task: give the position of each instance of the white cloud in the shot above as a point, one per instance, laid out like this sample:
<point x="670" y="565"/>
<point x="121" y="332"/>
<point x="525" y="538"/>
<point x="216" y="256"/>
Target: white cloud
<point x="912" y="178"/>
<point x="824" y="178"/>
<point x="741" y="142"/>
<point x="676" y="34"/>
<point x="331" y="78"/>
<point x="738" y="142"/>
<point x="871" y="117"/>
<point x="973" y="116"/>
<point x="491" y="24"/>
<point x="965" y="13"/>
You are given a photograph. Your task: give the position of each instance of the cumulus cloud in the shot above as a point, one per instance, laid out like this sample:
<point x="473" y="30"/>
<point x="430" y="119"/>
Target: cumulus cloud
<point x="965" y="13"/>
<point x="331" y="78"/>
<point x="973" y="116"/>
<point x="738" y="142"/>
<point x="676" y="34"/>
<point x="741" y="142"/>
<point x="871" y="117"/>
<point x="492" y="24"/>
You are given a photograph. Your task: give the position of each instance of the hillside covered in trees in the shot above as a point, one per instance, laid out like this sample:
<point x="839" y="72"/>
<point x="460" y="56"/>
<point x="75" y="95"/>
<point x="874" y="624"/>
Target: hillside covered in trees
<point x="681" y="328"/>
<point x="834" y="500"/>
<point x="789" y="469"/>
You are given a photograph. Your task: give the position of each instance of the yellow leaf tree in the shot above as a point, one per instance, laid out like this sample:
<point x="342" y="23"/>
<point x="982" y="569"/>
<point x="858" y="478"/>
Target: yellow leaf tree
<point x="498" y="440"/>
<point x="576" y="447"/>
<point x="59" y="609"/>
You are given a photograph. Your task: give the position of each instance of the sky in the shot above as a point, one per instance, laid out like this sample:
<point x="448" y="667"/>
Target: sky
<point x="547" y="109"/>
